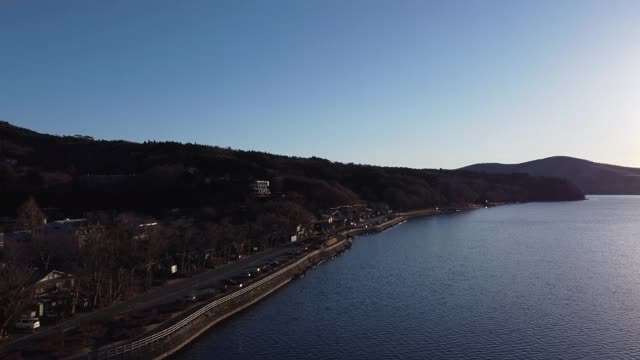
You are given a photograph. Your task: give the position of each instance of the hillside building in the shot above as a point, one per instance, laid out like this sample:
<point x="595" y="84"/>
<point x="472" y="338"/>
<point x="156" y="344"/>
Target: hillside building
<point x="261" y="188"/>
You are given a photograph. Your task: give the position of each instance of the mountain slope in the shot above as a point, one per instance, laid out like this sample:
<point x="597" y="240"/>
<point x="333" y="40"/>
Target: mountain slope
<point x="76" y="172"/>
<point x="591" y="177"/>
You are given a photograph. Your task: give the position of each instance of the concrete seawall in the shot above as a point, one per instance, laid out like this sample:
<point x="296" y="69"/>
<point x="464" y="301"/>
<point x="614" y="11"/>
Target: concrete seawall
<point x="178" y="332"/>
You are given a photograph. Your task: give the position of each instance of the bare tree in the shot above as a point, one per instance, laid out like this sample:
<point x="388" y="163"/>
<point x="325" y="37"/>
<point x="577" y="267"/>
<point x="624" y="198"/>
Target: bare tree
<point x="45" y="252"/>
<point x="29" y="215"/>
<point x="133" y="238"/>
<point x="94" y="256"/>
<point x="154" y="251"/>
<point x="15" y="276"/>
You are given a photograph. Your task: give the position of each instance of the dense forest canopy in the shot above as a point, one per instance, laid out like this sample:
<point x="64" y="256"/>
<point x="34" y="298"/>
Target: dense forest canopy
<point x="79" y="174"/>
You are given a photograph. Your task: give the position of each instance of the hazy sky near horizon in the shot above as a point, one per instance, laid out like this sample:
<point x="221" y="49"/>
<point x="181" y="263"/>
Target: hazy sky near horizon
<point x="408" y="83"/>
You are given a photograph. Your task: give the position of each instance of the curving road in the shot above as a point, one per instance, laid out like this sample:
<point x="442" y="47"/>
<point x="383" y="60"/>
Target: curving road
<point x="155" y="297"/>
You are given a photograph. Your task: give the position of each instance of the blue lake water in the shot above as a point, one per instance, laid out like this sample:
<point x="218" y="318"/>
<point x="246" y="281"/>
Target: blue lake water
<point x="530" y="281"/>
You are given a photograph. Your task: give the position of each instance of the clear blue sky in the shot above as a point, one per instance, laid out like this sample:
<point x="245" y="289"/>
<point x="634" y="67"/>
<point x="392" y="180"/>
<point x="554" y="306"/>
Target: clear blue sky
<point x="411" y="83"/>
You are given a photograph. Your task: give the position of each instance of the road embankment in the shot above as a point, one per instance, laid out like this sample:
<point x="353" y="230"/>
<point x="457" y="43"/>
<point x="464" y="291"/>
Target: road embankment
<point x="172" y="336"/>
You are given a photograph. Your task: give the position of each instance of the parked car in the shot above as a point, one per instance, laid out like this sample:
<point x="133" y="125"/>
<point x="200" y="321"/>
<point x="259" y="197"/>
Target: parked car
<point x="266" y="268"/>
<point x="246" y="274"/>
<point x="208" y="293"/>
<point x="305" y="248"/>
<point x="242" y="279"/>
<point x="190" y="298"/>
<point x="232" y="284"/>
<point x="234" y="257"/>
<point x="274" y="262"/>
<point x="28" y="324"/>
<point x="294" y="252"/>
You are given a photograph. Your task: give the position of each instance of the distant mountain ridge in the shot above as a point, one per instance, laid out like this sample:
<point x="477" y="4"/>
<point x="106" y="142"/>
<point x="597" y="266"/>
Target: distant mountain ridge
<point x="592" y="177"/>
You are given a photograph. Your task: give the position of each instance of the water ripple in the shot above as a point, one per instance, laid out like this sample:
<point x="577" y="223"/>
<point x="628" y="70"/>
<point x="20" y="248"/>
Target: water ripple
<point x="533" y="281"/>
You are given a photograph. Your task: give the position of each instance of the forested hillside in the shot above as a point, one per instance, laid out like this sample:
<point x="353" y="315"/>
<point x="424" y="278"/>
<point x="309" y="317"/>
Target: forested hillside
<point x="80" y="174"/>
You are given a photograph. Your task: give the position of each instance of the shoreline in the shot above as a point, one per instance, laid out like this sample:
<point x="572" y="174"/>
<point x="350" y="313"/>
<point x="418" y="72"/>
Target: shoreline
<point x="168" y="339"/>
<point x="131" y="349"/>
<point x="208" y="326"/>
<point x="398" y="220"/>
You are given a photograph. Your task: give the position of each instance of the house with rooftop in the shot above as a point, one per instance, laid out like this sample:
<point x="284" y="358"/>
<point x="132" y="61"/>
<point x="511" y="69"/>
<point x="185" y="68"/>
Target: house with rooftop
<point x="53" y="282"/>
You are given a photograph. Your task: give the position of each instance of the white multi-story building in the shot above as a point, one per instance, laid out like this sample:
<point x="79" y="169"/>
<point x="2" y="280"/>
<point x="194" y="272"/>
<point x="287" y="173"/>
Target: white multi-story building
<point x="261" y="188"/>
